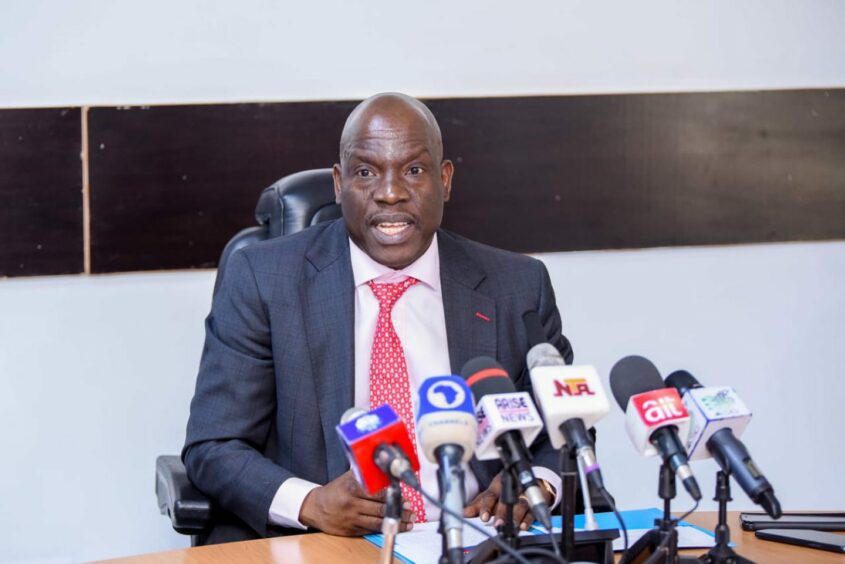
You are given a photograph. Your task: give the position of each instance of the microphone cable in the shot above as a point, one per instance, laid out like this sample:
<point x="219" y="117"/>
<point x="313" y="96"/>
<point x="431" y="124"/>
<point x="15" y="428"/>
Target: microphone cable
<point x="675" y="522"/>
<point x="410" y="479"/>
<point x="609" y="500"/>
<point x="554" y="542"/>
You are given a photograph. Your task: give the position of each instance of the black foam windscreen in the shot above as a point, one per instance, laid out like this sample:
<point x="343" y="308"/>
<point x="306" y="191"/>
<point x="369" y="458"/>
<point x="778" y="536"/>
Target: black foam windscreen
<point x="533" y="328"/>
<point x="633" y="375"/>
<point x="682" y="381"/>
<point x="485" y="375"/>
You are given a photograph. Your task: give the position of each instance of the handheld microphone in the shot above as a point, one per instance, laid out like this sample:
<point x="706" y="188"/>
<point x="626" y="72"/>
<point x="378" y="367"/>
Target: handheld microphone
<point x="507" y="423"/>
<point x="571" y="399"/>
<point x="655" y="417"/>
<point x="378" y="447"/>
<point x="718" y="418"/>
<point x="446" y="428"/>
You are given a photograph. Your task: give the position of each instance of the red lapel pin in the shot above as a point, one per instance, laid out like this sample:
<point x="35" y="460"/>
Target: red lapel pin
<point x="480" y="315"/>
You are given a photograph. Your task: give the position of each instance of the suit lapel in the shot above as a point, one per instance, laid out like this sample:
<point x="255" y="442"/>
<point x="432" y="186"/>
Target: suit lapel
<point x="329" y="311"/>
<point x="470" y="318"/>
<point x="470" y="314"/>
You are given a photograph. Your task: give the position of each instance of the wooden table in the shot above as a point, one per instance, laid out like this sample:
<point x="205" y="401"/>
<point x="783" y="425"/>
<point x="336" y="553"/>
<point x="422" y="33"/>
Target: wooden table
<point x="319" y="548"/>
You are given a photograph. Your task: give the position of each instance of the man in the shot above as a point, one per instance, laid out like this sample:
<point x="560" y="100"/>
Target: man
<point x="355" y="312"/>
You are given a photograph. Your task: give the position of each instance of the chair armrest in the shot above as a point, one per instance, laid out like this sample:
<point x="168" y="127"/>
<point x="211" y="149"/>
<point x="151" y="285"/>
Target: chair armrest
<point x="188" y="508"/>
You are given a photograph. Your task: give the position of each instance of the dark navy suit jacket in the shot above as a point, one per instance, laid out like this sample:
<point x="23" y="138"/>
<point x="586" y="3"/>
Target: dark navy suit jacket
<point x="277" y="368"/>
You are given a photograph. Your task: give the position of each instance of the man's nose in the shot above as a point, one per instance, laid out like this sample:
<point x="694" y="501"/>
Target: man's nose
<point x="392" y="190"/>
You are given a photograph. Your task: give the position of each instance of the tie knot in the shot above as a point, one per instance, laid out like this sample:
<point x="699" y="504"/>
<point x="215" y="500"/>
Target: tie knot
<point x="388" y="294"/>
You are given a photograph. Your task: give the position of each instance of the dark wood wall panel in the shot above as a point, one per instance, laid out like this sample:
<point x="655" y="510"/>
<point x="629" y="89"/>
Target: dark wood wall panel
<point x="170" y="185"/>
<point x="40" y="192"/>
<point x="631" y="171"/>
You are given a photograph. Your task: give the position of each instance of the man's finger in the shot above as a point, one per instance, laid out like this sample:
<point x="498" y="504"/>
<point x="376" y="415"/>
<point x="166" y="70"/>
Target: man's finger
<point x="369" y="508"/>
<point x="522" y="516"/>
<point x="408" y="515"/>
<point x="487" y="505"/>
<point x="354" y="488"/>
<point x="501" y="511"/>
<point x="473" y="508"/>
<point x="367" y="524"/>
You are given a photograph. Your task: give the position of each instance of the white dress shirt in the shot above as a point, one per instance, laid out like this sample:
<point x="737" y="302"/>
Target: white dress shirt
<point x="420" y="323"/>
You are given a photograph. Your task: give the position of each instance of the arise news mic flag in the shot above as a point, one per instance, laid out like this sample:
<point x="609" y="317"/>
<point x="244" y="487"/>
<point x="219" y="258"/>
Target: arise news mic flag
<point x="655" y="416"/>
<point x="377" y="445"/>
<point x="718" y="418"/>
<point x="507" y="423"/>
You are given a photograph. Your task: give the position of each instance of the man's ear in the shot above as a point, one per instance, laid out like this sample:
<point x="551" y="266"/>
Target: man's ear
<point x="336" y="176"/>
<point x="447" y="170"/>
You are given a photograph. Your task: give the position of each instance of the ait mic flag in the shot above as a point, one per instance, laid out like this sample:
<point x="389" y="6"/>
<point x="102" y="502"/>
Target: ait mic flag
<point x="652" y="410"/>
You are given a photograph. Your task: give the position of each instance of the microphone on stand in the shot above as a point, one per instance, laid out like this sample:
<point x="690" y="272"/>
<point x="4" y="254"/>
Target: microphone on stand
<point x="378" y="447"/>
<point x="719" y="417"/>
<point x="507" y="422"/>
<point x="572" y="400"/>
<point x="655" y="417"/>
<point x="446" y="429"/>
<point x="381" y="455"/>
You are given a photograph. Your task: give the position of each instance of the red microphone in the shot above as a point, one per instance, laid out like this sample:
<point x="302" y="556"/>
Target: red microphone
<point x="378" y="447"/>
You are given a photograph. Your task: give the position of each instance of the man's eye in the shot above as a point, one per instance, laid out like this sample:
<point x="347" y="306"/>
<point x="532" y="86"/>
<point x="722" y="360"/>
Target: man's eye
<point x="415" y="170"/>
<point x="364" y="172"/>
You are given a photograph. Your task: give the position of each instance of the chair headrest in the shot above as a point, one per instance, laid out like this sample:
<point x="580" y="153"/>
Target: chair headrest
<point x="297" y="201"/>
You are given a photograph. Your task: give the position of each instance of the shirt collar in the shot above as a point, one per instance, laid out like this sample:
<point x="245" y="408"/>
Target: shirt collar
<point x="426" y="269"/>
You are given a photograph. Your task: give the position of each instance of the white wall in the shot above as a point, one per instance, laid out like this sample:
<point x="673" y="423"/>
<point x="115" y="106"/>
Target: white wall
<point x="97" y="374"/>
<point x="766" y="319"/>
<point x="158" y="51"/>
<point x="83" y="359"/>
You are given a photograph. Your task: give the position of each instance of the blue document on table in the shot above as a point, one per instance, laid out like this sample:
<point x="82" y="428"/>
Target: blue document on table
<point x="422" y="545"/>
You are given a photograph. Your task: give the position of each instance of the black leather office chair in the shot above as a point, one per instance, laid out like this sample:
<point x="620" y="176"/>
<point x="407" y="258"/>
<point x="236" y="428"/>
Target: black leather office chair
<point x="289" y="205"/>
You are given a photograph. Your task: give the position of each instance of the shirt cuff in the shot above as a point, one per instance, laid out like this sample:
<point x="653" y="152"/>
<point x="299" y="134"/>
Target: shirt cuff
<point x="543" y="473"/>
<point x="287" y="503"/>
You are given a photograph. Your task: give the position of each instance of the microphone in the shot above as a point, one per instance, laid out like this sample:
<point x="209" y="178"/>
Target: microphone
<point x="507" y="423"/>
<point x="446" y="429"/>
<point x="378" y="447"/>
<point x="571" y="399"/>
<point x="718" y="418"/>
<point x="655" y="417"/>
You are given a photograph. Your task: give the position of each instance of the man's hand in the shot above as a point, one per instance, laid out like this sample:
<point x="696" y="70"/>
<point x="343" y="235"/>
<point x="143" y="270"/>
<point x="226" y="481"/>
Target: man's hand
<point x="341" y="507"/>
<point x="487" y="505"/>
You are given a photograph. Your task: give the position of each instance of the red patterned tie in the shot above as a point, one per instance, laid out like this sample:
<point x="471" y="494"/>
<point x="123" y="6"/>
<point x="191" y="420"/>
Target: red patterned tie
<point x="389" y="373"/>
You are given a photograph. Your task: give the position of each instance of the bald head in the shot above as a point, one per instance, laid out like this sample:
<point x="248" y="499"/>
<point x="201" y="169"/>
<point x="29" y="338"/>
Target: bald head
<point x="381" y="112"/>
<point x="392" y="180"/>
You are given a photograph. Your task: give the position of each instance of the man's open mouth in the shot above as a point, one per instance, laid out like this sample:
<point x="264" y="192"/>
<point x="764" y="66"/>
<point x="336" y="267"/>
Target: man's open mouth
<point x="392" y="227"/>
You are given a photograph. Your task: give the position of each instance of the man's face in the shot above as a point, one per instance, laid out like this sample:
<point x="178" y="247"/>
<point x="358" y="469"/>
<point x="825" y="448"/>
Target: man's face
<point x="391" y="185"/>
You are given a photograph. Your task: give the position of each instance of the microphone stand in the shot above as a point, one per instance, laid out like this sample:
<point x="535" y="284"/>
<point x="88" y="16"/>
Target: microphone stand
<point x="590" y="545"/>
<point x="567" y="514"/>
<point x="661" y="543"/>
<point x="510" y="496"/>
<point x="392" y="518"/>
<point x="721" y="553"/>
<point x="487" y="550"/>
<point x="450" y="479"/>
